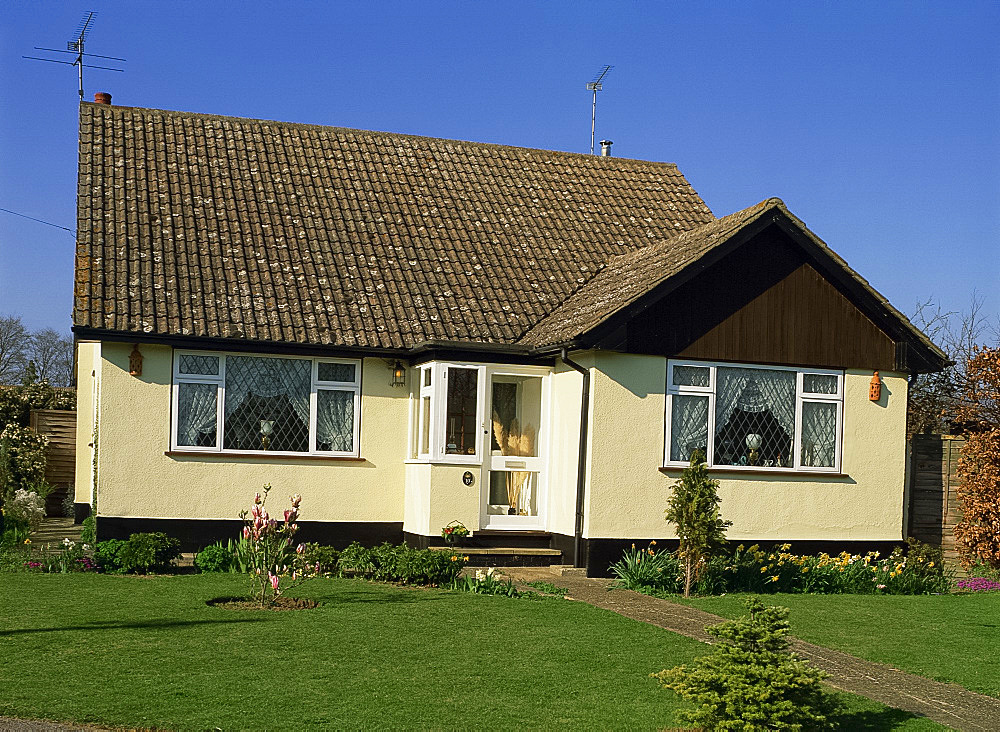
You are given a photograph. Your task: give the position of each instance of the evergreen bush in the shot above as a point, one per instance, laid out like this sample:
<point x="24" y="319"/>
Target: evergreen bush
<point x="751" y="681"/>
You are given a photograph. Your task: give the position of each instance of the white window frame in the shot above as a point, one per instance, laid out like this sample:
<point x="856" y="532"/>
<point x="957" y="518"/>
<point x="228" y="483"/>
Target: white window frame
<point x="438" y="393"/>
<point x="220" y="381"/>
<point x="800" y="398"/>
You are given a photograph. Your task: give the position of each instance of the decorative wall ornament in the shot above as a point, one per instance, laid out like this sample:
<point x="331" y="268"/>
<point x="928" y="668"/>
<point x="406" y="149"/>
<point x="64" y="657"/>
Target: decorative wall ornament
<point x="135" y="361"/>
<point x="875" y="388"/>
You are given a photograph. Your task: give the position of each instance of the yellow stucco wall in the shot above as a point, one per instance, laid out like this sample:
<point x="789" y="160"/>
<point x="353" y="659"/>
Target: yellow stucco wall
<point x="88" y="357"/>
<point x="136" y="478"/>
<point x="628" y="493"/>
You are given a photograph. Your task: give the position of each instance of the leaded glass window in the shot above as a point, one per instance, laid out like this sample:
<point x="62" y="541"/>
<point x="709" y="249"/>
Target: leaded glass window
<point x="461" y="411"/>
<point x="754" y="417"/>
<point x="266" y="404"/>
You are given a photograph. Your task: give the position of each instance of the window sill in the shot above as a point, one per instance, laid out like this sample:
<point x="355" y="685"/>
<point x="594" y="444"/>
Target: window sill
<point x="428" y="461"/>
<point x="734" y="470"/>
<point x="270" y="457"/>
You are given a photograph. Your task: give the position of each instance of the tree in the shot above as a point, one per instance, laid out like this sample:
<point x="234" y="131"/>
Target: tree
<point x="52" y="354"/>
<point x="978" y="413"/>
<point x="14" y="343"/>
<point x="934" y="398"/>
<point x="751" y="681"/>
<point x="694" y="509"/>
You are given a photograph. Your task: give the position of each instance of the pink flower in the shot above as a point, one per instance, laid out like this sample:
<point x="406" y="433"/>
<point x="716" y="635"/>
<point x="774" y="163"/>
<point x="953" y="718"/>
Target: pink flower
<point x="300" y="549"/>
<point x="274" y="581"/>
<point x="290" y="515"/>
<point x="255" y="511"/>
<point x="246" y="532"/>
<point x="296" y="500"/>
<point x="257" y="501"/>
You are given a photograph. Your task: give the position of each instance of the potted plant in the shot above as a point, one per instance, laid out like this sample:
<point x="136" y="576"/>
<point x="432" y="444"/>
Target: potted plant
<point x="454" y="533"/>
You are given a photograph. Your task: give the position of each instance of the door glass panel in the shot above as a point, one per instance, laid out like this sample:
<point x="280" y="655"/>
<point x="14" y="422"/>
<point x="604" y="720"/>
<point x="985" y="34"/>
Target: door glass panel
<point x="516" y="408"/>
<point x="460" y="422"/>
<point x="513" y="493"/>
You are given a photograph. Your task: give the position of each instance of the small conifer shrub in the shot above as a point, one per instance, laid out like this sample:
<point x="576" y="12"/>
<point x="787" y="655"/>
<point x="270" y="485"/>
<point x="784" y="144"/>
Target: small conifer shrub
<point x="694" y="509"/>
<point x="751" y="681"/>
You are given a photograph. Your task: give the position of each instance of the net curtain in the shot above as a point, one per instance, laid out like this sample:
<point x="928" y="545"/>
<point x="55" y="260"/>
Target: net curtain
<point x="196" y="412"/>
<point x="335" y="420"/>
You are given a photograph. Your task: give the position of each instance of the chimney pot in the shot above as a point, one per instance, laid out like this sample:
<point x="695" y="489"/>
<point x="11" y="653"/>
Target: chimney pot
<point x="105" y="98"/>
<point x="605" y="148"/>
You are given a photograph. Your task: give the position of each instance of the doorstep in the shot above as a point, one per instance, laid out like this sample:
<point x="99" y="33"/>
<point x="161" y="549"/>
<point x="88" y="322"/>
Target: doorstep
<point x="506" y="556"/>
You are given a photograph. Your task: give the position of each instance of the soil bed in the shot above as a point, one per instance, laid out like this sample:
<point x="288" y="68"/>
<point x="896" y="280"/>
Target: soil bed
<point x="243" y="603"/>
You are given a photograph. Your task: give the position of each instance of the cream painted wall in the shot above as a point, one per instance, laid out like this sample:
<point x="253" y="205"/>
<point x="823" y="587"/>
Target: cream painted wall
<point x="136" y="478"/>
<point x="436" y="496"/>
<point x="630" y="495"/>
<point x="564" y="439"/>
<point x="88" y="359"/>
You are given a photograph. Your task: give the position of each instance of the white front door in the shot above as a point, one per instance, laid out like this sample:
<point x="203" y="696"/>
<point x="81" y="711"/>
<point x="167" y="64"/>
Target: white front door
<point x="513" y="469"/>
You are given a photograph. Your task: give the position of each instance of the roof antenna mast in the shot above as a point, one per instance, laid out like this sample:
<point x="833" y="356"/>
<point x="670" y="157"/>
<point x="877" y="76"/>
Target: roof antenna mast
<point x="75" y="46"/>
<point x="596" y="86"/>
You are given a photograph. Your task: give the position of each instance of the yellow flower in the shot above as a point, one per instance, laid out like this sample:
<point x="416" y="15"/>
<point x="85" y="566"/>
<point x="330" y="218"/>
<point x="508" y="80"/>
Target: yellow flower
<point x="454" y="558"/>
<point x="931" y="564"/>
<point x="774" y="578"/>
<point x="771" y="558"/>
<point x="653" y="542"/>
<point x="763" y="569"/>
<point x="805" y="569"/>
<point x="27" y="541"/>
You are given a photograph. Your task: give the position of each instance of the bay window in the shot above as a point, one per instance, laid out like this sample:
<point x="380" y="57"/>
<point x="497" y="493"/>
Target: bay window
<point x="229" y="402"/>
<point x="447" y="417"/>
<point x="754" y="417"/>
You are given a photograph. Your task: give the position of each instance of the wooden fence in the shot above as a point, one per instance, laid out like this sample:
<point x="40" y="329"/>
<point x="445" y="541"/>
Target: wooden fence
<point x="60" y="427"/>
<point x="934" y="508"/>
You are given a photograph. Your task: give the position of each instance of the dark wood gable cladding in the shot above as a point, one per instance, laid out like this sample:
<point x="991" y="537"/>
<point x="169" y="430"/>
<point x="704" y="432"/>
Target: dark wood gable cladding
<point x="765" y="302"/>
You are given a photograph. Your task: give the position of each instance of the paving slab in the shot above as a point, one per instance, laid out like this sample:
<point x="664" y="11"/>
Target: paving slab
<point x="947" y="704"/>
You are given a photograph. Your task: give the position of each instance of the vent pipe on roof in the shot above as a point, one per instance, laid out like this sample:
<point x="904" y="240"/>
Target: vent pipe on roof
<point x="605" y="147"/>
<point x="105" y="98"/>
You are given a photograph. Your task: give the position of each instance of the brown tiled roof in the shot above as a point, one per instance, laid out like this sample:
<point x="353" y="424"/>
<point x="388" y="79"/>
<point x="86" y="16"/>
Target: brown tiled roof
<point x="222" y="227"/>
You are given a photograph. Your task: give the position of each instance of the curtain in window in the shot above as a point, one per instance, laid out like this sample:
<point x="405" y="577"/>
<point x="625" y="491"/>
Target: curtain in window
<point x="688" y="426"/>
<point x="196" y="413"/>
<point x="334" y="420"/>
<point x="819" y="434"/>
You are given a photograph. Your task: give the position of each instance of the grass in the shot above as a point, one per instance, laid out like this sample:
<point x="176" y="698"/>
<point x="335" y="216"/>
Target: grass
<point x="145" y="652"/>
<point x="945" y="637"/>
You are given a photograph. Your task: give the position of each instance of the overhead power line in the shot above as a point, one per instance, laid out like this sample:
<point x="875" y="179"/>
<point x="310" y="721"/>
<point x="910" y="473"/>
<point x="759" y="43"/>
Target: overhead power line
<point x="41" y="221"/>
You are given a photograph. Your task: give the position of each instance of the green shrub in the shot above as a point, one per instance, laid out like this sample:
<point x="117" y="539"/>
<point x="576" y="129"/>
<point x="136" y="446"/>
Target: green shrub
<point x="88" y="535"/>
<point x="750" y="681"/>
<point x="214" y="558"/>
<point x="144" y="553"/>
<point x="139" y="554"/>
<point x="388" y="563"/>
<point x="325" y="556"/>
<point x="22" y="461"/>
<point x="693" y="508"/>
<point x="106" y="555"/>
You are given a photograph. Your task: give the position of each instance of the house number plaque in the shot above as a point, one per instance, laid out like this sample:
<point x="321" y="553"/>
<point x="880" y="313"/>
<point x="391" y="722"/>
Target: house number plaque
<point x="468" y="478"/>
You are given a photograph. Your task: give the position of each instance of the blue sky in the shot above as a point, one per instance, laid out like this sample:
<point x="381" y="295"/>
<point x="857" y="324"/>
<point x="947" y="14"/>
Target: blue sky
<point x="877" y="123"/>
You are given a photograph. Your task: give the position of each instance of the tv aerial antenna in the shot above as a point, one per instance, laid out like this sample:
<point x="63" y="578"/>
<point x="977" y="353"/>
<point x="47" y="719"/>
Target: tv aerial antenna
<point x="595" y="86"/>
<point x="75" y="46"/>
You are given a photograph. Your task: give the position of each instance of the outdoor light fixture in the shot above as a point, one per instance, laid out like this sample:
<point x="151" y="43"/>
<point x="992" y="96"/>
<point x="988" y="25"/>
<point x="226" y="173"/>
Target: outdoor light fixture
<point x="266" y="427"/>
<point x="398" y="375"/>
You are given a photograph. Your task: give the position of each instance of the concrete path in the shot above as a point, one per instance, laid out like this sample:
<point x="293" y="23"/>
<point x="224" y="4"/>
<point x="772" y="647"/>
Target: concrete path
<point x="948" y="704"/>
<point x="53" y="531"/>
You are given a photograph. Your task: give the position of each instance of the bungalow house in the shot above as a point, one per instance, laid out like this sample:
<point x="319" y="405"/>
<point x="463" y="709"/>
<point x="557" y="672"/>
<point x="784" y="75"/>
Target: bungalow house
<point x="411" y="331"/>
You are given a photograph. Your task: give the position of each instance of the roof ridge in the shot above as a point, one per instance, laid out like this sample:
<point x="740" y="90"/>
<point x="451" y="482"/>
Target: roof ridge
<point x="598" y="159"/>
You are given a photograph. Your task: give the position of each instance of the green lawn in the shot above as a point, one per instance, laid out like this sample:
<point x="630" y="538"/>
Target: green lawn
<point x="946" y="637"/>
<point x="147" y="652"/>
